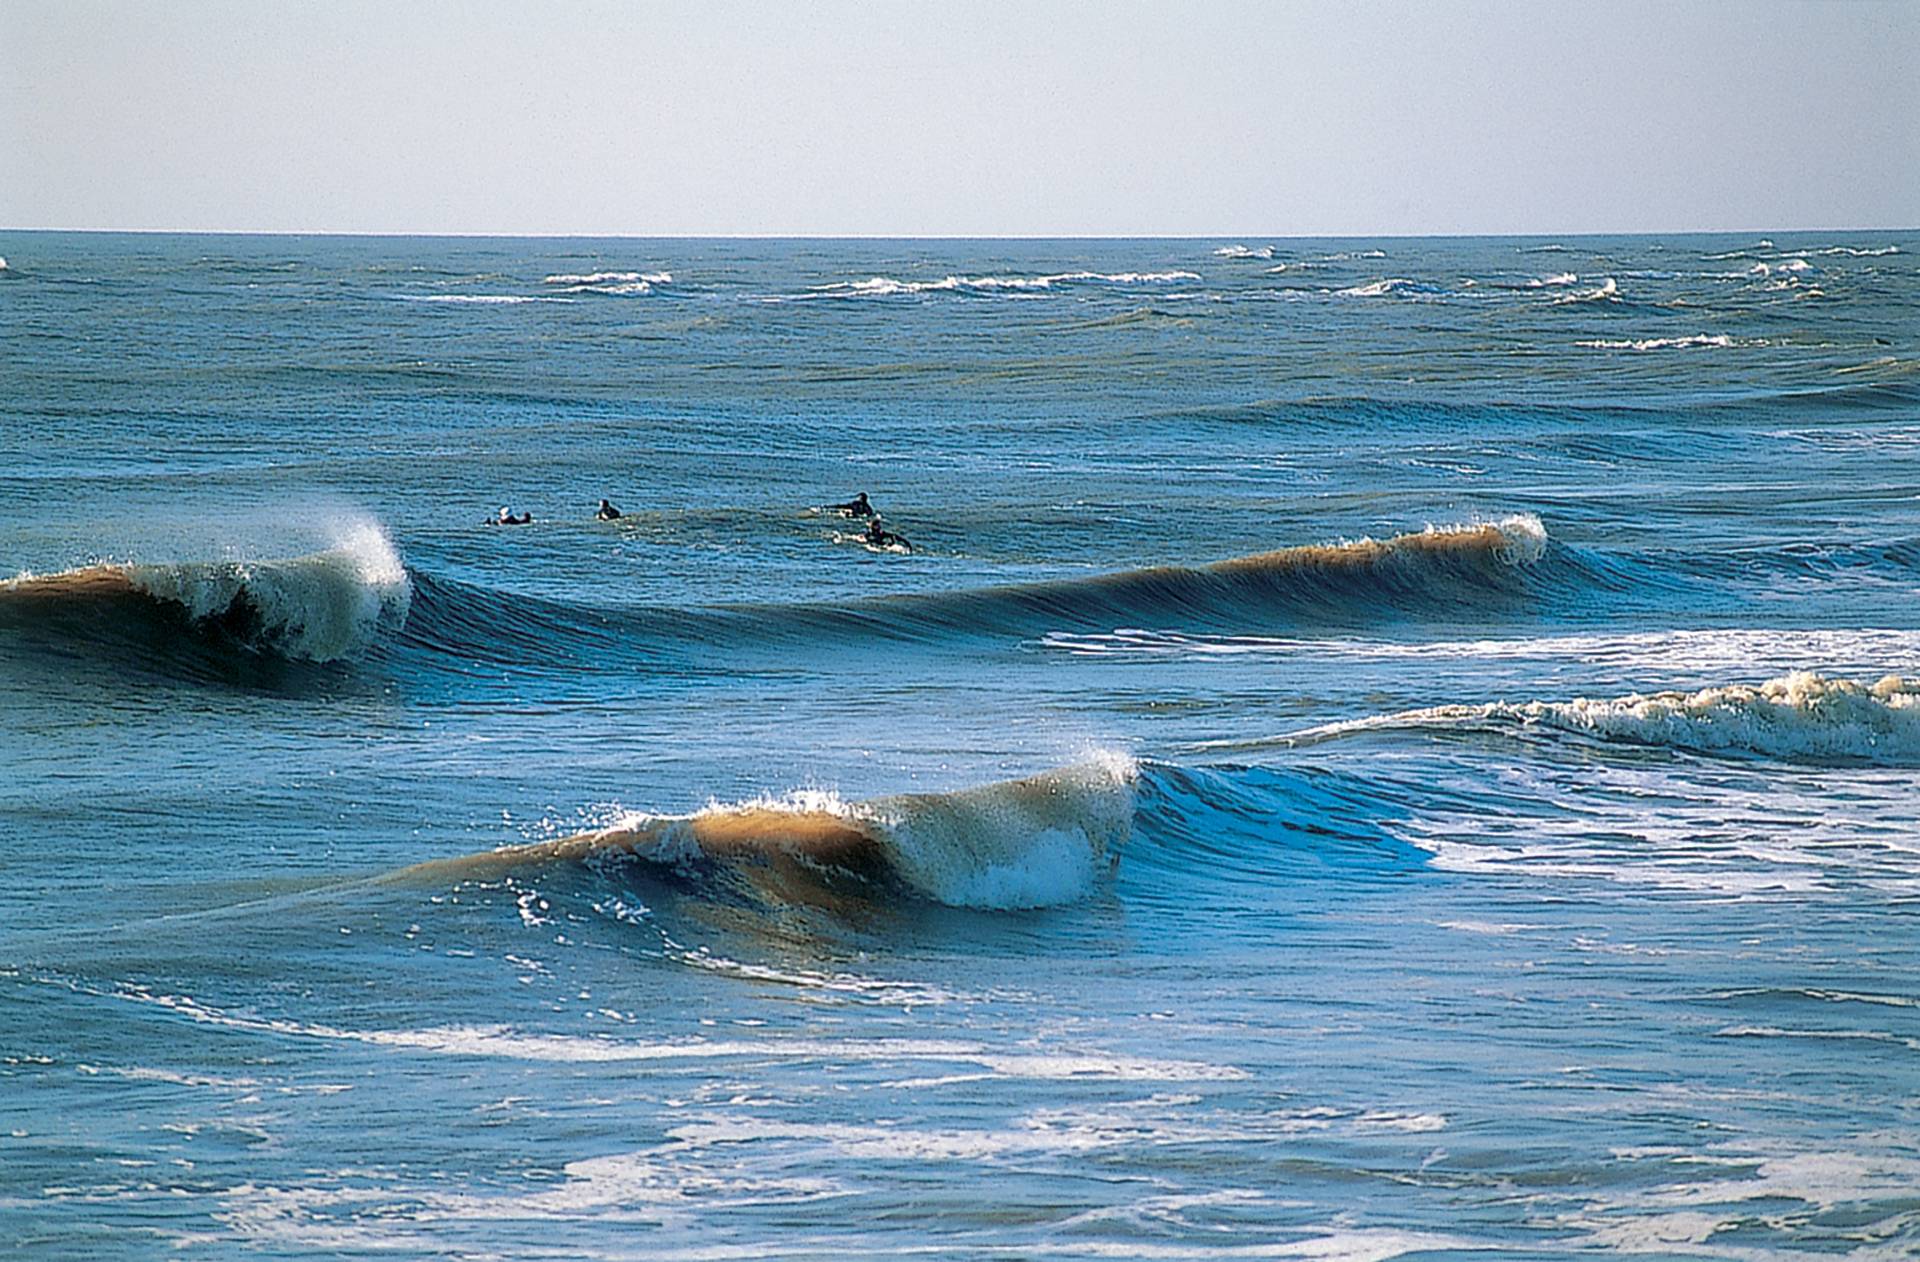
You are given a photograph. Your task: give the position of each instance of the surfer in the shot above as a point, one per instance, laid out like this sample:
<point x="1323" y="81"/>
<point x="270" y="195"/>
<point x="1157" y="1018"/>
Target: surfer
<point x="607" y="512"/>
<point x="506" y="518"/>
<point x="879" y="537"/>
<point x="855" y="507"/>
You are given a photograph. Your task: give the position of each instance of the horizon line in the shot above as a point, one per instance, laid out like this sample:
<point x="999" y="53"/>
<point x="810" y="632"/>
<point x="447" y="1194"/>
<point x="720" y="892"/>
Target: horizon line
<point x="882" y="236"/>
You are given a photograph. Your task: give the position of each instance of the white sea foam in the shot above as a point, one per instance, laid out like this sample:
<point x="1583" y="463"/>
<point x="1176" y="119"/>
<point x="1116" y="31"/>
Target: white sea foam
<point x="603" y="278"/>
<point x="1245" y="252"/>
<point x="1376" y="289"/>
<point x="1685" y="652"/>
<point x="887" y="286"/>
<point x="1802" y="715"/>
<point x="617" y="283"/>
<point x="1720" y="1185"/>
<point x="1607" y="291"/>
<point x="1720" y="340"/>
<point x="1858" y="253"/>
<point x="1013" y="846"/>
<point x="482" y="300"/>
<point x="1028" y="1062"/>
<point x="1560" y="278"/>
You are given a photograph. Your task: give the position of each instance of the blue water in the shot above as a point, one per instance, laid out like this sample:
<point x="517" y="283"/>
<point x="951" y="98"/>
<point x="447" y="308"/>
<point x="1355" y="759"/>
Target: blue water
<point x="1050" y="890"/>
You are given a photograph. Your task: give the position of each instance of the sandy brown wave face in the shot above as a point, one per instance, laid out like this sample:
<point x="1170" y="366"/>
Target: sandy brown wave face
<point x="1461" y="562"/>
<point x="1515" y="541"/>
<point x="94" y="582"/>
<point x="111" y="599"/>
<point x="820" y="837"/>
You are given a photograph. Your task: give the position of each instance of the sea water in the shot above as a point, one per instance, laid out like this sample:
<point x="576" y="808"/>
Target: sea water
<point x="1379" y="749"/>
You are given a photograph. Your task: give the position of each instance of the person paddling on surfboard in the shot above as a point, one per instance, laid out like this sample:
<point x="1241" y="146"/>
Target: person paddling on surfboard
<point x="878" y="537"/>
<point x="855" y="507"/>
<point x="607" y="512"/>
<point x="506" y="518"/>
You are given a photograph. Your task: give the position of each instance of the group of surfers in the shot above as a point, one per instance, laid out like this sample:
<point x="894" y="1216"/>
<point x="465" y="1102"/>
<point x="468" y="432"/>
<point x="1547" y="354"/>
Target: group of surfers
<point x="507" y="517"/>
<point x="859" y="508"/>
<point x="877" y="536"/>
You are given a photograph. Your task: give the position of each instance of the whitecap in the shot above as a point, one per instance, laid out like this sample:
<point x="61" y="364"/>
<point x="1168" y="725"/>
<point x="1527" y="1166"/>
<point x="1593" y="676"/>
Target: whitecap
<point x="1607" y="291"/>
<point x="887" y="286"/>
<point x="602" y="278"/>
<point x="1376" y="289"/>
<point x="1801" y="715"/>
<point x="1719" y="340"/>
<point x="482" y="300"/>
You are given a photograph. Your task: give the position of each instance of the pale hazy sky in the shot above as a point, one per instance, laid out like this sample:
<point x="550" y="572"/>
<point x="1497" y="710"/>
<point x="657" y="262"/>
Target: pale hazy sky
<point x="1035" y="118"/>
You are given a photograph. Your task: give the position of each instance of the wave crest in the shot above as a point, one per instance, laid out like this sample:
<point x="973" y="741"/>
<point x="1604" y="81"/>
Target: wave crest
<point x="887" y="286"/>
<point x="1607" y="290"/>
<point x="1379" y="288"/>
<point x="1719" y="340"/>
<point x="618" y="283"/>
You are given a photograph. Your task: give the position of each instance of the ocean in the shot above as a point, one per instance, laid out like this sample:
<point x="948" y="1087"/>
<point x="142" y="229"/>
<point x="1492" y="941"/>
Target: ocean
<point x="1377" y="749"/>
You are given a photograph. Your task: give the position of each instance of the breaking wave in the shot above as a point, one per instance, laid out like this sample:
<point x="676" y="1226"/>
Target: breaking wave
<point x="1244" y="252"/>
<point x="1381" y="288"/>
<point x="1797" y="716"/>
<point x="321" y="607"/>
<point x="1720" y="340"/>
<point x="618" y="283"/>
<point x="602" y="278"/>
<point x="1607" y="291"/>
<point x="1357" y="580"/>
<point x="887" y="286"/>
<point x="1024" y="843"/>
<point x="481" y="300"/>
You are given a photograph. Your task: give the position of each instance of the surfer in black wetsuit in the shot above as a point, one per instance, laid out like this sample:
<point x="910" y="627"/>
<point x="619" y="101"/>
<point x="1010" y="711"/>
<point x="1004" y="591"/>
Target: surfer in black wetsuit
<point x="506" y="518"/>
<point x="878" y="537"/>
<point x="607" y="512"/>
<point x="855" y="507"/>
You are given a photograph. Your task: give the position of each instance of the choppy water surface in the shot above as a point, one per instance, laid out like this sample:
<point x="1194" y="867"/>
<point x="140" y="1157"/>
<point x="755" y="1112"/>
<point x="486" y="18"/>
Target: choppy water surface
<point x="1379" y="749"/>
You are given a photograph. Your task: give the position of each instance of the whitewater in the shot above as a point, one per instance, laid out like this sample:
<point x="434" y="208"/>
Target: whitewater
<point x="1376" y="750"/>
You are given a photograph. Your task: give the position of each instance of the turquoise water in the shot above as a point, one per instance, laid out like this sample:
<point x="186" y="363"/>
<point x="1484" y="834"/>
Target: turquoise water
<point x="1052" y="889"/>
